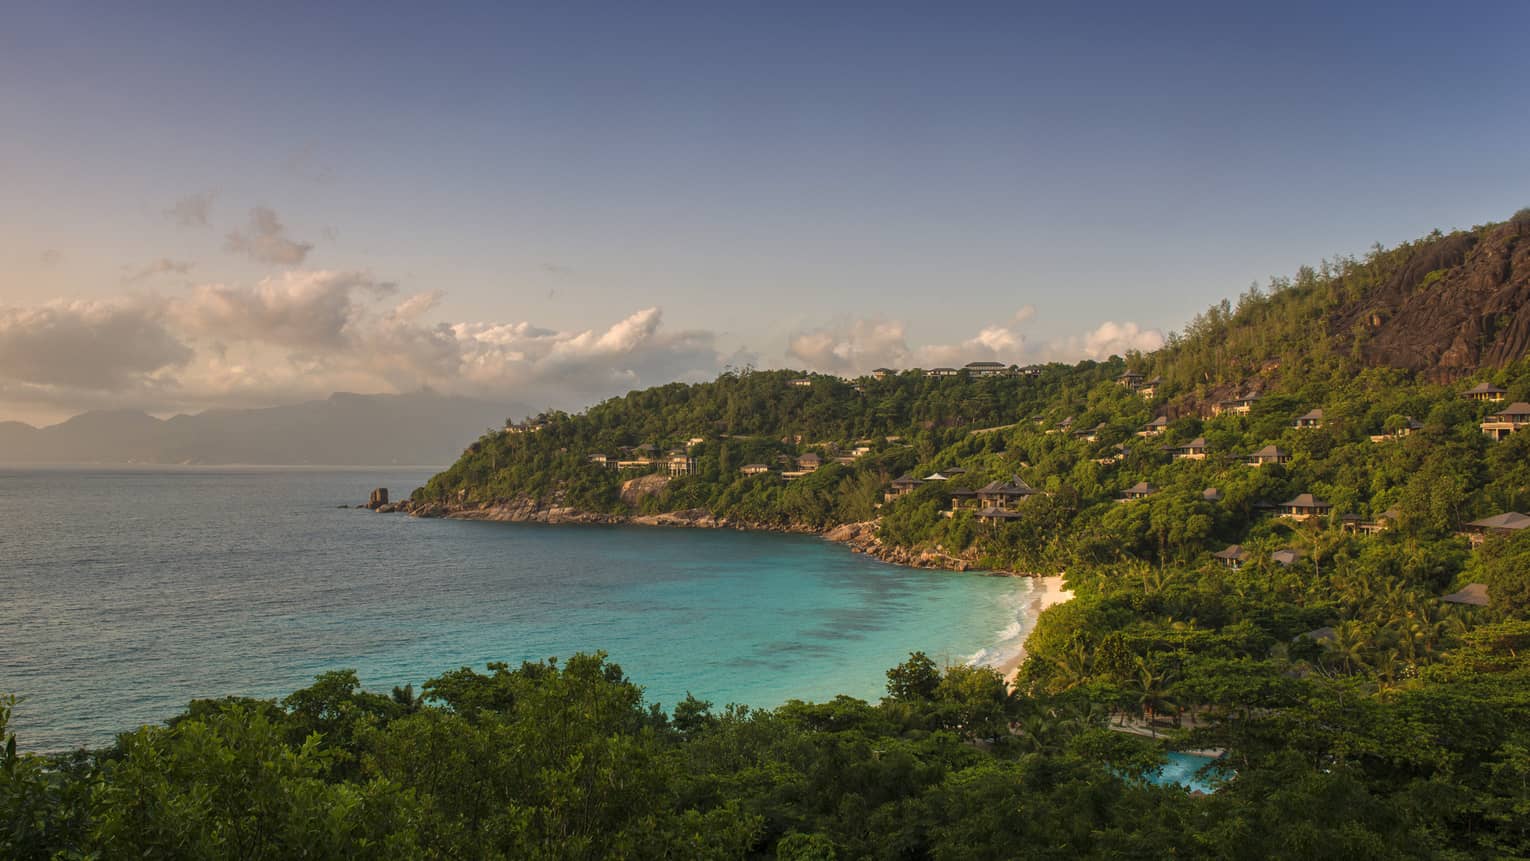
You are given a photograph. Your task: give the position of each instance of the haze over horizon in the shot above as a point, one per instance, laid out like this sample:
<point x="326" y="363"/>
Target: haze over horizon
<point x="211" y="207"/>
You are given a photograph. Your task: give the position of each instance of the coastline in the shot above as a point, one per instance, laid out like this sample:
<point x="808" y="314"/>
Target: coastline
<point x="1049" y="592"/>
<point x="1046" y="590"/>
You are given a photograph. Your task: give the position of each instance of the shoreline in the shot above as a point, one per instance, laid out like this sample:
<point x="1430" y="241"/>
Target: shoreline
<point x="1049" y="592"/>
<point x="1046" y="590"/>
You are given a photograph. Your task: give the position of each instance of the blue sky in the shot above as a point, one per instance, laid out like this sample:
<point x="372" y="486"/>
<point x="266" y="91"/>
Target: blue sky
<point x="838" y="185"/>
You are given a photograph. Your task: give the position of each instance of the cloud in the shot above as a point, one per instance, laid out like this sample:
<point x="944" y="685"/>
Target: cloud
<point x="298" y="309"/>
<point x="305" y="334"/>
<point x="162" y="266"/>
<point x="864" y="344"/>
<point x="265" y="239"/>
<point x="87" y="345"/>
<point x="192" y="210"/>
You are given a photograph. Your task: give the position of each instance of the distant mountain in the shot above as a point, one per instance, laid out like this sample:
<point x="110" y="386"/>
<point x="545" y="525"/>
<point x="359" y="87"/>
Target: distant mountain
<point x="424" y="428"/>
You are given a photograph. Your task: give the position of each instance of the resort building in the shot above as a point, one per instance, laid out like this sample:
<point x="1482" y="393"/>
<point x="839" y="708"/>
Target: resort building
<point x="1211" y="494"/>
<point x="602" y="461"/>
<point x="1064" y="426"/>
<point x="1267" y="455"/>
<point x="1233" y="557"/>
<point x="809" y="462"/>
<point x="1193" y="450"/>
<point x="1407" y="428"/>
<point x="1154" y="428"/>
<point x="1485" y="392"/>
<point x="1004" y="495"/>
<point x="903" y="485"/>
<point x="1471" y="595"/>
<point x="1511" y="419"/>
<point x="944" y="474"/>
<point x="1358" y="525"/>
<point x="941" y="372"/>
<point x="679" y="464"/>
<point x="1304" y="506"/>
<point x="986" y="369"/>
<point x="1499" y="524"/>
<point x="882" y="373"/>
<point x="962" y="498"/>
<point x="1149" y="389"/>
<point x="1313" y="419"/>
<point x="1140" y="490"/>
<point x="1091" y="434"/>
<point x="1239" y="406"/>
<point x="754" y="469"/>
<point x="1286" y="557"/>
<point x="1131" y="379"/>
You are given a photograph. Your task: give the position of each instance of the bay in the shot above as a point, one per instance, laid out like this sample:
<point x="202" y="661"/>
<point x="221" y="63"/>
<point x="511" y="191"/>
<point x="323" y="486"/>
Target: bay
<point x="126" y="592"/>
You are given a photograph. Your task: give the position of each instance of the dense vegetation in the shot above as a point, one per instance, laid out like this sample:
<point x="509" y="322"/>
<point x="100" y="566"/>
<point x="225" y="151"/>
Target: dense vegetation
<point x="1359" y="714"/>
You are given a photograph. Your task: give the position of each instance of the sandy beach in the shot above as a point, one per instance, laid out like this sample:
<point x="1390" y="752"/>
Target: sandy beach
<point x="1050" y="591"/>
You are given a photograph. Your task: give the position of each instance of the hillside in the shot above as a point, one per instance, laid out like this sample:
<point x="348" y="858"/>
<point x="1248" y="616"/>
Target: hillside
<point x="342" y="430"/>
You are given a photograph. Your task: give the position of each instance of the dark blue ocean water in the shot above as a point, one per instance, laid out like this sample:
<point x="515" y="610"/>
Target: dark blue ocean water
<point x="124" y="593"/>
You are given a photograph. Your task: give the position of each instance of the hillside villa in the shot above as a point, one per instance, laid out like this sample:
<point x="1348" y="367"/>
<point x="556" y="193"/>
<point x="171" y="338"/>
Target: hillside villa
<point x="679" y="464"/>
<point x="1472" y="595"/>
<point x="1238" y="406"/>
<point x="1267" y="455"/>
<point x="1193" y="450"/>
<point x="1504" y="524"/>
<point x="1485" y="392"/>
<point x="1313" y="419"/>
<point x="1140" y="490"/>
<point x="1154" y="428"/>
<point x="1232" y="557"/>
<point x="1304" y="506"/>
<point x="903" y="485"/>
<point x="986" y="369"/>
<point x="941" y="372"/>
<point x="1512" y="418"/>
<point x="1407" y="428"/>
<point x="754" y="469"/>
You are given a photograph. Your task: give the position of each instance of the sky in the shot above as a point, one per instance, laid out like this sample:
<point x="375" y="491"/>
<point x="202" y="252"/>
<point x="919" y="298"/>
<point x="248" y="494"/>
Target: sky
<point x="219" y="205"/>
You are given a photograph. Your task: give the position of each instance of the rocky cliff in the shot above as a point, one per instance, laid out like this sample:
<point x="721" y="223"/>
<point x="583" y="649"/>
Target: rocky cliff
<point x="1460" y="302"/>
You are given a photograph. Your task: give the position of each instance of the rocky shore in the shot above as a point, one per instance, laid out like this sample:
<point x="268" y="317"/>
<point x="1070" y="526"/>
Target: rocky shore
<point x="859" y="537"/>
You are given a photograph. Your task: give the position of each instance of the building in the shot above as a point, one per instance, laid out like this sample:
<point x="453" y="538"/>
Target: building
<point x="1029" y="371"/>
<point x="1211" y="494"/>
<point x="754" y="469"/>
<point x="1241" y="405"/>
<point x="962" y="498"/>
<point x="1499" y="524"/>
<point x="1472" y="595"/>
<point x="1485" y="392"/>
<point x="802" y="382"/>
<point x="1004" y="495"/>
<point x="1193" y="450"/>
<point x="1358" y="525"/>
<point x="1286" y="557"/>
<point x="1131" y="379"/>
<point x="1155" y="427"/>
<point x="903" y="485"/>
<point x="809" y="462"/>
<point x="882" y="373"/>
<point x="1313" y="419"/>
<point x="1091" y="434"/>
<point x="941" y="372"/>
<point x="1232" y="557"/>
<point x="679" y="464"/>
<point x="1064" y="426"/>
<point x="1149" y="389"/>
<point x="1304" y="506"/>
<point x="603" y="461"/>
<point x="986" y="369"/>
<point x="944" y="474"/>
<point x="1268" y="455"/>
<point x="1407" y="428"/>
<point x="1140" y="490"/>
<point x="1501" y="424"/>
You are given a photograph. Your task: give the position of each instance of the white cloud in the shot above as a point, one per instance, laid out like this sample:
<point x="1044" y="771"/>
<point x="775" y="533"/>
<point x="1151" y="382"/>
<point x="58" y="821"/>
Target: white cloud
<point x="864" y="344"/>
<point x="87" y="346"/>
<point x="265" y="239"/>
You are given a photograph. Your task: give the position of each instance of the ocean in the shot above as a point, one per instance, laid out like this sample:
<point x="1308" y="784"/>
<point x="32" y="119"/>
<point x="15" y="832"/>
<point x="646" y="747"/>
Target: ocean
<point x="127" y="592"/>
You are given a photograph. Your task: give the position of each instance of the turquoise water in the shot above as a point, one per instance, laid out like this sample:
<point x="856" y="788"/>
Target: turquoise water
<point x="1183" y="769"/>
<point x="124" y="593"/>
